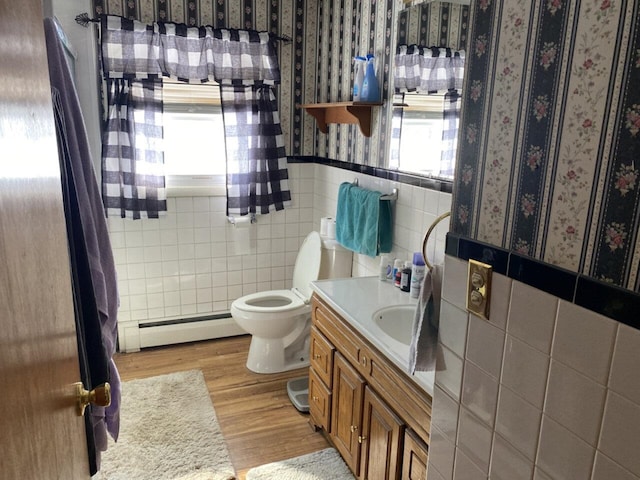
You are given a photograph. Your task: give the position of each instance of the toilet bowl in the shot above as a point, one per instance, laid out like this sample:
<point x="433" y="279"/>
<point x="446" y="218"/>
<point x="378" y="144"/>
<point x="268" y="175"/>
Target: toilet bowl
<point x="279" y="321"/>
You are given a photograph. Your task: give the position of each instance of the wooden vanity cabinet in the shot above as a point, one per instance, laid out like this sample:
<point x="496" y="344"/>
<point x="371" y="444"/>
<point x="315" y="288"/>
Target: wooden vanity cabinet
<point x="376" y="417"/>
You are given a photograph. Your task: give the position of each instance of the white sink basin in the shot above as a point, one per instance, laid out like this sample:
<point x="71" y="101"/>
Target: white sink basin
<point x="396" y="321"/>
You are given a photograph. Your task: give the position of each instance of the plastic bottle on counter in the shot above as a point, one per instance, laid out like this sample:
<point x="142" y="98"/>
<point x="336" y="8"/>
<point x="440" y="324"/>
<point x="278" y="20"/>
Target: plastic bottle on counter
<point x="385" y="268"/>
<point x="405" y="278"/>
<point x="397" y="272"/>
<point x="417" y="274"/>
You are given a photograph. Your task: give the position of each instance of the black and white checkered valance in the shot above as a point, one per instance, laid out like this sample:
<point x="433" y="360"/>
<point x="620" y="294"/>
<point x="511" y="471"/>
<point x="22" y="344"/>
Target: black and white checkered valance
<point x="244" y="63"/>
<point x="131" y="49"/>
<point x="424" y="70"/>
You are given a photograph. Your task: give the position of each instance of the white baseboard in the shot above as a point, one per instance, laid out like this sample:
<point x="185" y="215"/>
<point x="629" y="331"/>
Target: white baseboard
<point x="139" y="336"/>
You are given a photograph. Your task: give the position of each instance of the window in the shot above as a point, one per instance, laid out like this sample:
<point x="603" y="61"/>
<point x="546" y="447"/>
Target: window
<point x="195" y="161"/>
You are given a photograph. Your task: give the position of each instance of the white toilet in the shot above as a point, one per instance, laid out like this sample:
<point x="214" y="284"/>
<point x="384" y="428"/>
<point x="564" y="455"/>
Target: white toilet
<point x="279" y="321"/>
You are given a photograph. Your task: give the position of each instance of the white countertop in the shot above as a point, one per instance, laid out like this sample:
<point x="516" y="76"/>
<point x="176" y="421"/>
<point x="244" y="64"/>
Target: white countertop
<point x="356" y="299"/>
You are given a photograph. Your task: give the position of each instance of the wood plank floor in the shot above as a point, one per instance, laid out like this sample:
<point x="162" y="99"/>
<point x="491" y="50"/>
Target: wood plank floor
<point x="255" y="414"/>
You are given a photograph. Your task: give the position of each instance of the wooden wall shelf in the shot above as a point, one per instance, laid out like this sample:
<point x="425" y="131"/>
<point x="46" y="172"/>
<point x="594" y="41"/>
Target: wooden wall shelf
<point x="358" y="113"/>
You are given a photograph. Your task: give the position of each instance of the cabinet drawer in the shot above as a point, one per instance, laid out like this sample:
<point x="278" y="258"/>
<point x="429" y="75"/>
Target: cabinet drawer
<point x="322" y="356"/>
<point x="414" y="462"/>
<point x="319" y="402"/>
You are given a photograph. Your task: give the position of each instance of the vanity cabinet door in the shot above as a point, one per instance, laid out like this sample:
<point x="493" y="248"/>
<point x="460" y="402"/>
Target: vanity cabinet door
<point x="319" y="402"/>
<point x="321" y="356"/>
<point x="346" y="411"/>
<point x="414" y="463"/>
<point x="381" y="440"/>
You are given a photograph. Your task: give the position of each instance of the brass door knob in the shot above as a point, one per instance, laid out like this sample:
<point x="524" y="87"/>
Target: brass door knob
<point x="100" y="396"/>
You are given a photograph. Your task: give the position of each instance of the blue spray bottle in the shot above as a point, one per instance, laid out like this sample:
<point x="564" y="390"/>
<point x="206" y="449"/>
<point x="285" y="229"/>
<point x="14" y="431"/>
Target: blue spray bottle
<point x="370" y="89"/>
<point x="361" y="63"/>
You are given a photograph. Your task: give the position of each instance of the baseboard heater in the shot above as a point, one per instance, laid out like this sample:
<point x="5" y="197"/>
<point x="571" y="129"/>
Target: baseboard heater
<point x="181" y="330"/>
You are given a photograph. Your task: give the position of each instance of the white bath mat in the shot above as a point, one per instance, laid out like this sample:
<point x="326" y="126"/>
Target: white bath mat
<point x="325" y="464"/>
<point x="168" y="431"/>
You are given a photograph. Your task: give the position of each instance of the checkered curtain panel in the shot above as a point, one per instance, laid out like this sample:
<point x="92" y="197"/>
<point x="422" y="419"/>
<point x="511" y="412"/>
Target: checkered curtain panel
<point x="424" y="70"/>
<point x="132" y="155"/>
<point x="245" y="65"/>
<point x="257" y="176"/>
<point x="451" y="117"/>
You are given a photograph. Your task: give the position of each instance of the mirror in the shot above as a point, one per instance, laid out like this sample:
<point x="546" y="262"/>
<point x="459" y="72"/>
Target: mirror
<point x="424" y="126"/>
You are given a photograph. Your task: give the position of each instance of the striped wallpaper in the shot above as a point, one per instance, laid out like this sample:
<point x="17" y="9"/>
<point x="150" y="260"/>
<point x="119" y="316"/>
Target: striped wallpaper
<point x="547" y="162"/>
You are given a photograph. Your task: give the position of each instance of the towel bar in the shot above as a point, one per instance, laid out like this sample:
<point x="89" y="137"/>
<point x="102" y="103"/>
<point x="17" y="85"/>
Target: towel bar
<point x="388" y="196"/>
<point x="426" y="238"/>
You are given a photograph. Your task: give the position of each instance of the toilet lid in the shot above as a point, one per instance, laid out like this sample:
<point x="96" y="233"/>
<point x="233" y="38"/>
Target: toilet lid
<point x="307" y="266"/>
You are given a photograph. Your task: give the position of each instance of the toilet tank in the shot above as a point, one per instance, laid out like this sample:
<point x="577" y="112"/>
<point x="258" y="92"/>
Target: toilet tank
<point x="335" y="261"/>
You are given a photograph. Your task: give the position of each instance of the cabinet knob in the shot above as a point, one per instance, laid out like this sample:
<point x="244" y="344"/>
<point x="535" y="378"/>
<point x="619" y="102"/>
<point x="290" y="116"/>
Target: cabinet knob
<point x="317" y="356"/>
<point x="364" y="361"/>
<point x="354" y="428"/>
<point x="315" y="398"/>
<point x="361" y="438"/>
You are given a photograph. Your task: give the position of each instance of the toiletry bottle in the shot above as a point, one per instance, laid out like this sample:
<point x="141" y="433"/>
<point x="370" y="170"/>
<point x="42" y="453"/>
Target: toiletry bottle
<point x="417" y="274"/>
<point x="405" y="279"/>
<point x="370" y="91"/>
<point x="397" y="272"/>
<point x="385" y="267"/>
<point x="360" y="67"/>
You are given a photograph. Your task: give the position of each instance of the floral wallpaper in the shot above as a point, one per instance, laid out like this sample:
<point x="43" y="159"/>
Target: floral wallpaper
<point x="547" y="161"/>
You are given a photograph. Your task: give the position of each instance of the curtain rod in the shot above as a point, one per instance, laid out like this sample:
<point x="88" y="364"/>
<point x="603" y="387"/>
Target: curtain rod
<point x="84" y="20"/>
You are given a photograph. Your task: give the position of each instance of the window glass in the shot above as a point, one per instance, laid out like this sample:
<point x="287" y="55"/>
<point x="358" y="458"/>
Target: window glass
<point x="195" y="161"/>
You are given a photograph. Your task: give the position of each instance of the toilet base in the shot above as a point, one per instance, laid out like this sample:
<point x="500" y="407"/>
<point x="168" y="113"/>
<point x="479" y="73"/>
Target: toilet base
<point x="267" y="355"/>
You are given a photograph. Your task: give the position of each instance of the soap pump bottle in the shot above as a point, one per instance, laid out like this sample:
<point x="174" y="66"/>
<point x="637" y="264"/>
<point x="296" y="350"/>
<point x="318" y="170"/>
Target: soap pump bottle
<point x="370" y="89"/>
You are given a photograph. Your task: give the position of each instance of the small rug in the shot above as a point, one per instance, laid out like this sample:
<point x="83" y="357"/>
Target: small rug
<point x="168" y="430"/>
<point x="325" y="464"/>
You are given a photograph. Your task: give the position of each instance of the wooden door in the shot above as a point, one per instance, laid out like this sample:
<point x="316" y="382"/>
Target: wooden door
<point x="41" y="435"/>
<point x="382" y="435"/>
<point x="346" y="411"/>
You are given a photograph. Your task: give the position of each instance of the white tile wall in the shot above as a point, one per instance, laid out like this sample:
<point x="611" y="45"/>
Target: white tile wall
<point x="187" y="263"/>
<point x="567" y="389"/>
<point x="414" y="211"/>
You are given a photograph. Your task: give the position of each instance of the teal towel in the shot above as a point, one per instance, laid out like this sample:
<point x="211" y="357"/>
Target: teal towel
<point x="363" y="221"/>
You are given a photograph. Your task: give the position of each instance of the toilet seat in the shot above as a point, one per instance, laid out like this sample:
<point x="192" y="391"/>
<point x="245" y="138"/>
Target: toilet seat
<point x="271" y="301"/>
